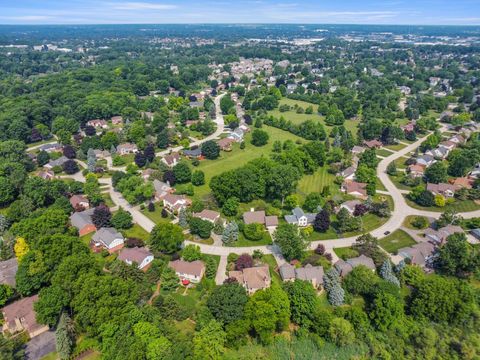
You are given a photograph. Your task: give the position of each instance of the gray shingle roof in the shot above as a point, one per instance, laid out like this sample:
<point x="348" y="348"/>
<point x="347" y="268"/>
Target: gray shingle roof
<point x="81" y="219"/>
<point x="106" y="236"/>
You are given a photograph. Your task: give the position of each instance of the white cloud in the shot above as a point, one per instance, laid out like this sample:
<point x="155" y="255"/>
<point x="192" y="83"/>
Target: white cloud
<point x="143" y="6"/>
<point x="27" y="17"/>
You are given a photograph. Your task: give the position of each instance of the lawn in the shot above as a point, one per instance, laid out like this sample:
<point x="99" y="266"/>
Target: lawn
<point x="136" y="231"/>
<point x="396" y="240"/>
<point x="272" y="265"/>
<point x="299" y="118"/>
<point x="238" y="157"/>
<point x="345" y="252"/>
<point x="108" y="200"/>
<point x="242" y="241"/>
<point x="395" y="147"/>
<point x="458" y="206"/>
<point x="400" y="163"/>
<point x="397" y="181"/>
<point x="408" y="222"/>
<point x="384" y="152"/>
<point x="156" y="216"/>
<point x="316" y="182"/>
<point x="87" y="238"/>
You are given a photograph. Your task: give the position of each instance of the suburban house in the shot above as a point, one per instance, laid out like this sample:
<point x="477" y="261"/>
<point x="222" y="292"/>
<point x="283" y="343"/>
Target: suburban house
<point x="408" y="127"/>
<point x="345" y="266"/>
<point x="193" y="153"/>
<point x="190" y="271"/>
<point x="117" y="120"/>
<point x="207" y="215"/>
<point x="8" y="270"/>
<point x="253" y="279"/>
<point x="20" y="316"/>
<point x="349" y="173"/>
<point x="237" y="135"/>
<point x="458" y="139"/>
<point x="440" y="152"/>
<point x="312" y="274"/>
<point x="147" y="173"/>
<point x="109" y="239"/>
<point x="463" y="182"/>
<point x="357" y="150"/>
<point x="252" y="216"/>
<point x="416" y="170"/>
<point x="127" y="148"/>
<point x="425" y="160"/>
<point x="101" y="154"/>
<point x="300" y="218"/>
<point x="98" y="123"/>
<point x="46" y="175"/>
<point x="171" y="159"/>
<point x="440" y="236"/>
<point x="419" y="254"/>
<point x="355" y="189"/>
<point x="225" y="144"/>
<point x="174" y="203"/>
<point x="373" y="144"/>
<point x="350" y="205"/>
<point x="444" y="189"/>
<point x="79" y="202"/>
<point x="162" y="189"/>
<point x="83" y="222"/>
<point x="54" y="163"/>
<point x="49" y="148"/>
<point x="138" y="255"/>
<point x="475" y="173"/>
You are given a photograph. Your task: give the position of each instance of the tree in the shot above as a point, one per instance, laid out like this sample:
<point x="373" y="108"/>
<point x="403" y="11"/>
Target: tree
<point x="312" y="202"/>
<point x="227" y="302"/>
<point x="230" y="207"/>
<point x="230" y="233"/>
<point x="101" y="216"/>
<point x="436" y="173"/>
<point x="182" y="218"/>
<point x="210" y="150"/>
<point x="386" y="272"/>
<point x="65" y="336"/>
<point x="70" y="167"/>
<point x="50" y="305"/>
<point x="7" y="191"/>
<point x="303" y="301"/>
<point x="244" y="261"/>
<point x="341" y="332"/>
<point x="290" y="241"/>
<point x="360" y="281"/>
<point x="69" y="152"/>
<point x="254" y="231"/>
<point x="21" y="248"/>
<point x="457" y="257"/>
<point x="392" y="169"/>
<point x="191" y="253"/>
<point x="210" y="268"/>
<point x="169" y="279"/>
<point x="6" y="293"/>
<point x="367" y="245"/>
<point x="259" y="137"/>
<point x="166" y="238"/>
<point x="322" y="221"/>
<point x="426" y="198"/>
<point x="200" y="227"/>
<point x="122" y="219"/>
<point x="182" y="173"/>
<point x="91" y="160"/>
<point x="43" y="158"/>
<point x="209" y="342"/>
<point x="331" y="283"/>
<point x="198" y="178"/>
<point x="140" y="159"/>
<point x="149" y="152"/>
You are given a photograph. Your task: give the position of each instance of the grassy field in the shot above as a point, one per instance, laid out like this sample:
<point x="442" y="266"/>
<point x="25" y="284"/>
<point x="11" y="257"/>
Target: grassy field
<point x="238" y="157"/>
<point x="299" y="118"/>
<point x="242" y="241"/>
<point x="397" y="181"/>
<point x="400" y="163"/>
<point x="395" y="147"/>
<point x="108" y="200"/>
<point x="316" y="182"/>
<point x="384" y="152"/>
<point x="408" y="222"/>
<point x="272" y="265"/>
<point x="156" y="216"/>
<point x="345" y="252"/>
<point x="458" y="206"/>
<point x="136" y="231"/>
<point x="396" y="240"/>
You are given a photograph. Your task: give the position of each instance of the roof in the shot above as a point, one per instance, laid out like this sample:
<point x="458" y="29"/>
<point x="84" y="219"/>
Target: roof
<point x="349" y="171"/>
<point x="170" y="159"/>
<point x="442" y="187"/>
<point x="427" y="158"/>
<point x="106" y="235"/>
<point x="291" y="219"/>
<point x="195" y="268"/>
<point x="161" y="187"/>
<point x="418" y="253"/>
<point x="287" y="271"/>
<point x="358" y="149"/>
<point x="225" y="142"/>
<point x="82" y="219"/>
<point x="193" y="152"/>
<point x="77" y="199"/>
<point x="463" y="182"/>
<point x="353" y="186"/>
<point x="23" y="311"/>
<point x="254" y="278"/>
<point x="417" y="168"/>
<point x="173" y="199"/>
<point x="373" y="143"/>
<point x="351" y="204"/>
<point x="126" y="146"/>
<point x="310" y="273"/>
<point x="135" y="254"/>
<point x="362" y="260"/>
<point x="59" y="162"/>
<point x="250" y="217"/>
<point x="271" y="220"/>
<point x="298" y="212"/>
<point x="207" y="214"/>
<point x="343" y="267"/>
<point x="53" y="146"/>
<point x="8" y="270"/>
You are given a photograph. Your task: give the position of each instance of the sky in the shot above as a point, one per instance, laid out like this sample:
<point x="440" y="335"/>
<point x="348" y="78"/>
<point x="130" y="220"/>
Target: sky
<point x="414" y="12"/>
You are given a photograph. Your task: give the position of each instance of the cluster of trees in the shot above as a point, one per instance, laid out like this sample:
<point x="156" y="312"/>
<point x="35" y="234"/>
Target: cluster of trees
<point x="309" y="129"/>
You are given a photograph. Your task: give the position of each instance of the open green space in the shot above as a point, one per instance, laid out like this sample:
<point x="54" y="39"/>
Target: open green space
<point x="136" y="231"/>
<point x="396" y="240"/>
<point x="395" y="147"/>
<point x="384" y="152"/>
<point x="345" y="252"/>
<point x="409" y="220"/>
<point x="458" y="206"/>
<point x="316" y="182"/>
<point x="156" y="216"/>
<point x="397" y="181"/>
<point x="238" y="157"/>
<point x="243" y="241"/>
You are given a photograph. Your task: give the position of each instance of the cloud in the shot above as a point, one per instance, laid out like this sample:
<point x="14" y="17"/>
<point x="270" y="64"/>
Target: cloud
<point x="27" y="17"/>
<point x="332" y="16"/>
<point x="143" y="6"/>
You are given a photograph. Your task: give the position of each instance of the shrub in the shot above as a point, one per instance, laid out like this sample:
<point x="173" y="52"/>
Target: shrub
<point x="253" y="231"/>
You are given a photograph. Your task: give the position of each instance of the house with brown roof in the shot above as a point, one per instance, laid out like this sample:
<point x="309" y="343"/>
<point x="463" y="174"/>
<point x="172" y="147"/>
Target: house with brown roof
<point x="174" y="203"/>
<point x="440" y="236"/>
<point x="444" y="189"/>
<point x="162" y="189"/>
<point x="463" y="182"/>
<point x="253" y="279"/>
<point x="98" y="123"/>
<point x="419" y="254"/>
<point x="83" y="222"/>
<point x="20" y="316"/>
<point x="147" y="173"/>
<point x="225" y="144"/>
<point x="259" y="217"/>
<point x="344" y="267"/>
<point x="373" y="144"/>
<point x="171" y="159"/>
<point x="357" y="150"/>
<point x="350" y="205"/>
<point x="117" y="120"/>
<point x="416" y="170"/>
<point x="141" y="256"/>
<point x="207" y="215"/>
<point x="354" y="188"/>
<point x="46" y="175"/>
<point x="312" y="274"/>
<point x="79" y="202"/>
<point x="191" y="271"/>
<point x="127" y="148"/>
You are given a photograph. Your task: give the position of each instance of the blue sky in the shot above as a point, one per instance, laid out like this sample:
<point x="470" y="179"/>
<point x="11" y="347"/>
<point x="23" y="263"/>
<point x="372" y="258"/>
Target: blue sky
<point x="428" y="12"/>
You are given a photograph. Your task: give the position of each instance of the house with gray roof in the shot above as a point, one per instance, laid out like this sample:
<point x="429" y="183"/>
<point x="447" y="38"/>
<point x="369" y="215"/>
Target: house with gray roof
<point x="344" y="267"/>
<point x="300" y="218"/>
<point x="193" y="153"/>
<point x="54" y="147"/>
<point x="312" y="274"/>
<point x="425" y="160"/>
<point x="83" y="222"/>
<point x="109" y="239"/>
<point x="419" y="254"/>
<point x="53" y="163"/>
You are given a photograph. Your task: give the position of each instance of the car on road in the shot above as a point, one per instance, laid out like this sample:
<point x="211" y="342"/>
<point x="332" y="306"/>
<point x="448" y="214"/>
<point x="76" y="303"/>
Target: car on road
<point x="386" y="232"/>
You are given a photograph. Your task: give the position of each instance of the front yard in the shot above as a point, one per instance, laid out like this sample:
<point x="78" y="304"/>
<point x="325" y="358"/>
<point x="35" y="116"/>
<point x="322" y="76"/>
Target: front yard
<point x="396" y="240"/>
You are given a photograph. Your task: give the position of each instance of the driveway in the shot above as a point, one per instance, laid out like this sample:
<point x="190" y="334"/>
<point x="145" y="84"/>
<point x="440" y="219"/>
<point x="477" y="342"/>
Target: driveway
<point x="40" y="346"/>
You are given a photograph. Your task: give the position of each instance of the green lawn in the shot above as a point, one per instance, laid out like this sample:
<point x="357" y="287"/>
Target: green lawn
<point x="345" y="252"/>
<point x="400" y="163"/>
<point x="299" y="118"/>
<point x="108" y="200"/>
<point x="238" y="157"/>
<point x="396" y="240"/>
<point x="136" y="231"/>
<point x="316" y="182"/>
<point x="408" y="222"/>
<point x="272" y="265"/>
<point x="397" y="181"/>
<point x="156" y="216"/>
<point x="242" y="241"/>
<point x="458" y="206"/>
<point x="384" y="152"/>
<point x="395" y="147"/>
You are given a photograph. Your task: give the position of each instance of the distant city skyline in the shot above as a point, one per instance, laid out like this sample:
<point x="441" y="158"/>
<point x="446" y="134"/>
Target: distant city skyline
<point x="421" y="12"/>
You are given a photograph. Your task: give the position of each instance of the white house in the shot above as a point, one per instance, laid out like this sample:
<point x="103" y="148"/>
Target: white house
<point x="191" y="271"/>
<point x="108" y="238"/>
<point x="138" y="255"/>
<point x="300" y="218"/>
